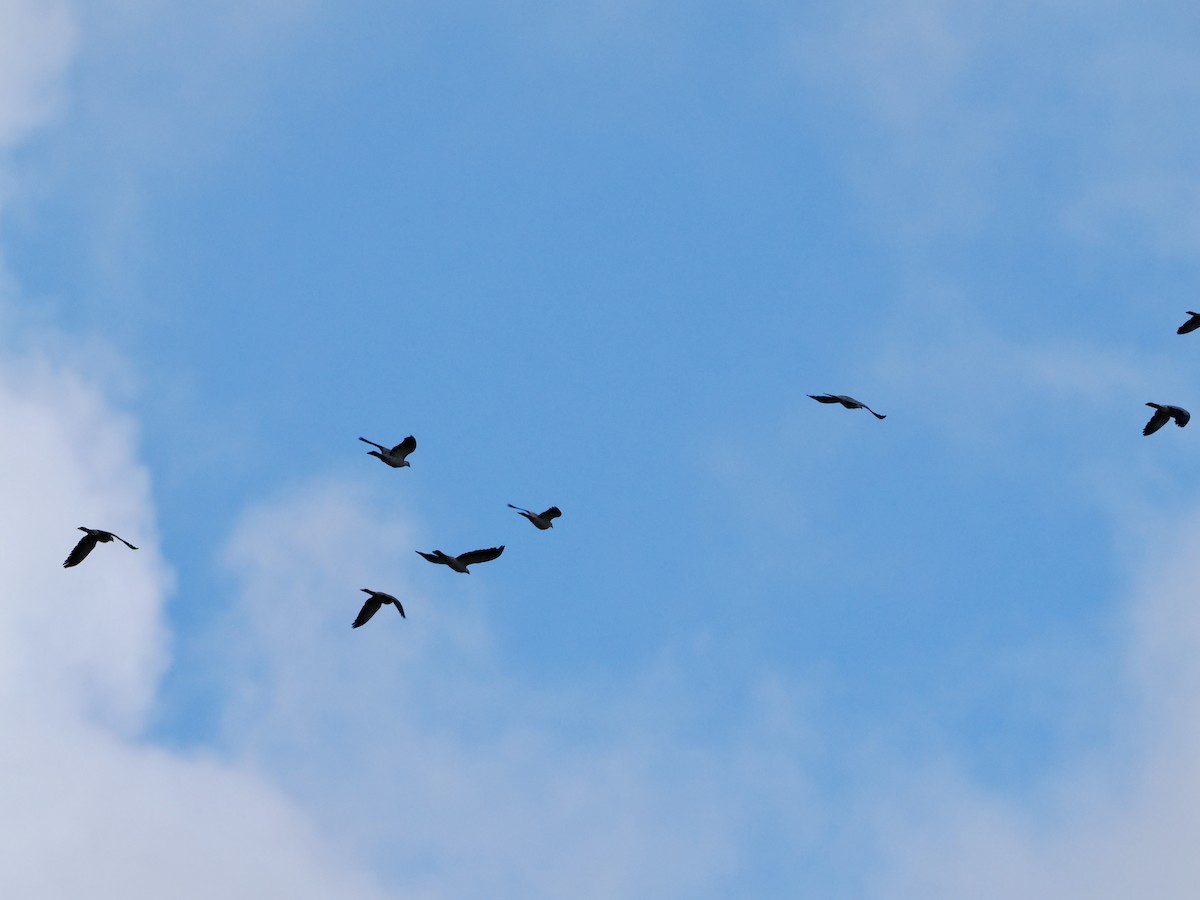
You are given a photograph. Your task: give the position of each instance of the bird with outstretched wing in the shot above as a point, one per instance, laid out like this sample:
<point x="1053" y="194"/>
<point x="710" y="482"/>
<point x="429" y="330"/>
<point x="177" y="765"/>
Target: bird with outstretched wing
<point x="543" y="519"/>
<point x="396" y="456"/>
<point x="848" y="402"/>
<point x="459" y="563"/>
<point x="91" y="537"/>
<point x="374" y="603"/>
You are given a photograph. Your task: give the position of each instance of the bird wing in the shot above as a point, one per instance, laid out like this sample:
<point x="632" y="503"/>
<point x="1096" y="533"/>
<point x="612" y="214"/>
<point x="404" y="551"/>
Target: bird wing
<point x="405" y="447"/>
<point x="848" y="402"/>
<point x="399" y="608"/>
<point x="480" y="556"/>
<point x="123" y="541"/>
<point x="82" y="549"/>
<point x="369" y="609"/>
<point x="1157" y="421"/>
<point x="1181" y="415"/>
<point x="372" y="443"/>
<point x="519" y="509"/>
<point x="436" y="557"/>
<point x="825" y="398"/>
<point x="872" y="412"/>
<point x="552" y="513"/>
<point x="1190" y="325"/>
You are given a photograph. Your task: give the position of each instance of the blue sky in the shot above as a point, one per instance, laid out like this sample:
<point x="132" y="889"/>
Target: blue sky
<point x="595" y="254"/>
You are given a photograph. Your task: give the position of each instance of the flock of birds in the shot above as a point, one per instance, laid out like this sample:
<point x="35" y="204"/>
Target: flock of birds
<point x="397" y="458"/>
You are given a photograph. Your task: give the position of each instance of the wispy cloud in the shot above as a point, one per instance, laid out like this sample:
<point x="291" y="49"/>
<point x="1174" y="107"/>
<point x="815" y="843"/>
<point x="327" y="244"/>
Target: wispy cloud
<point x="1114" y="823"/>
<point x="37" y="42"/>
<point x="1063" y="120"/>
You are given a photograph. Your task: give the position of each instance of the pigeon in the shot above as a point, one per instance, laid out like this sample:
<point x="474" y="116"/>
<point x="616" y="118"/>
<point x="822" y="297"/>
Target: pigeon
<point x="374" y="602"/>
<point x="88" y="541"/>
<point x="1163" y="414"/>
<point x="848" y="402"/>
<point x="460" y="563"/>
<point x="396" y="456"/>
<point x="541" y="520"/>
<point x="1191" y="324"/>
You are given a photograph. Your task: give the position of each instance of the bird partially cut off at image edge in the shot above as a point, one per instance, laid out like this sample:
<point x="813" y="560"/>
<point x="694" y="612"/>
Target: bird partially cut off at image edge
<point x="543" y="519"/>
<point x="373" y="605"/>
<point x="1191" y="324"/>
<point x="91" y="538"/>
<point x="848" y="402"/>
<point x="395" y="457"/>
<point x="1163" y="413"/>
<point x="459" y="563"/>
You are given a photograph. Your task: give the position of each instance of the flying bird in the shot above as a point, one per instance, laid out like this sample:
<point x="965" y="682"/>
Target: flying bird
<point x="374" y="602"/>
<point x="459" y="563"/>
<point x="1191" y="324"/>
<point x="1163" y="414"/>
<point x="848" y="402"/>
<point x="396" y="456"/>
<point x="542" y="519"/>
<point x="88" y="541"/>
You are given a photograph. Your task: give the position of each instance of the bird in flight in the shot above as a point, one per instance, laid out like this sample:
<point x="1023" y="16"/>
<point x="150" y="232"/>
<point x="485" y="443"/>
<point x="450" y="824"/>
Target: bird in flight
<point x="542" y="519"/>
<point x="848" y="402"/>
<point x="1163" y="414"/>
<point x="1191" y="324"/>
<point x="459" y="563"/>
<point x="396" y="456"/>
<point x="88" y="541"/>
<point x="374" y="602"/>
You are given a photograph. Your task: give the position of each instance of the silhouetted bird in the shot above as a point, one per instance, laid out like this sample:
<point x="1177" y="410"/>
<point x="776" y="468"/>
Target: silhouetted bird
<point x="541" y="520"/>
<point x="460" y="563"/>
<point x="1163" y="414"/>
<point x="395" y="456"/>
<point x="88" y="541"/>
<point x="1191" y="324"/>
<point x="374" y="602"/>
<point x="848" y="402"/>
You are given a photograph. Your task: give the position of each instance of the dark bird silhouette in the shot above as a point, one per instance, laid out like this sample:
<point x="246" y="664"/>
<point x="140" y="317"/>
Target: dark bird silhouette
<point x="1191" y="324"/>
<point x="460" y="563"/>
<point x="374" y="602"/>
<point x="848" y="402"/>
<point x="93" y="537"/>
<point x="542" y="519"/>
<point x="396" y="456"/>
<point x="1163" y="414"/>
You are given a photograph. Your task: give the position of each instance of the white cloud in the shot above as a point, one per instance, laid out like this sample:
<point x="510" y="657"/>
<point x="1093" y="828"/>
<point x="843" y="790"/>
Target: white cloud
<point x="462" y="780"/>
<point x="406" y="740"/>
<point x="88" y="810"/>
